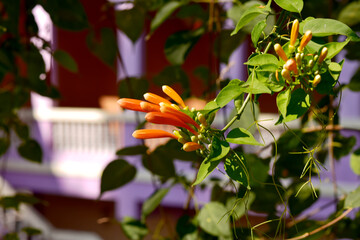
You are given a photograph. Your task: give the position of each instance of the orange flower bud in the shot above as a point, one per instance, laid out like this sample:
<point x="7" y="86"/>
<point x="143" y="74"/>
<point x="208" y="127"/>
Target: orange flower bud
<point x="317" y="80"/>
<point x="182" y="116"/>
<point x="280" y="52"/>
<point x="130" y="104"/>
<point x="291" y="65"/>
<point x="286" y="74"/>
<point x="152" y="133"/>
<point x="323" y="54"/>
<point x="167" y="119"/>
<point x="153" y="98"/>
<point x="173" y="95"/>
<point x="149" y="107"/>
<point x="305" y="40"/>
<point x="294" y="32"/>
<point x="191" y="146"/>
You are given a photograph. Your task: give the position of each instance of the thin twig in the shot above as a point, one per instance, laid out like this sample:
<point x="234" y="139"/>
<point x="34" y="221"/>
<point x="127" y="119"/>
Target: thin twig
<point x="323" y="227"/>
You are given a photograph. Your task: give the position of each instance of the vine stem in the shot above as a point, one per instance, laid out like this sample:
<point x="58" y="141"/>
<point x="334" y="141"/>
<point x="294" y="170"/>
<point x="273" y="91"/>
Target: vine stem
<point x="248" y="97"/>
<point x="323" y="226"/>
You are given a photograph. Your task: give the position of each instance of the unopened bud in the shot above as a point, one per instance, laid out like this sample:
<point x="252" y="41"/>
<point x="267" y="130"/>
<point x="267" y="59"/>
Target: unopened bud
<point x="194" y="139"/>
<point x="305" y="40"/>
<point x="317" y="80"/>
<point x="291" y="65"/>
<point x="202" y="119"/>
<point x="310" y="64"/>
<point x="323" y="54"/>
<point x="191" y="146"/>
<point x="280" y="52"/>
<point x="286" y="74"/>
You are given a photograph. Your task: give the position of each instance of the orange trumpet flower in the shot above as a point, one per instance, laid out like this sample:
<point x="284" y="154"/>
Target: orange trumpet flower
<point x="182" y="116"/>
<point x="149" y="107"/>
<point x="173" y="95"/>
<point x="130" y="104"/>
<point x="153" y="98"/>
<point x="152" y="133"/>
<point x="167" y="119"/>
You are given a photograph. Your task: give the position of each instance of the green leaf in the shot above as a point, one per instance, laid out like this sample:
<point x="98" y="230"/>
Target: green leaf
<point x="159" y="163"/>
<point x="322" y="27"/>
<point x="352" y="200"/>
<point x="163" y="13"/>
<point x="241" y="136"/>
<point x="67" y="14"/>
<point x="335" y="70"/>
<point x="116" y="174"/>
<point x="186" y="228"/>
<point x="350" y="14"/>
<point x="153" y="202"/>
<point x="179" y="44"/>
<point x="283" y="100"/>
<point x="133" y="150"/>
<point x="65" y="60"/>
<point x="250" y="14"/>
<point x="355" y="161"/>
<point x="103" y="45"/>
<point x="131" y="22"/>
<point x="257" y="31"/>
<point x="335" y="47"/>
<point x="9" y="202"/>
<point x="291" y="6"/>
<point x="219" y="149"/>
<point x="212" y="219"/>
<point x="298" y="105"/>
<point x="205" y="169"/>
<point x="235" y="168"/>
<point x="133" y="88"/>
<point x="133" y="229"/>
<point x="262" y="59"/>
<point x="11" y="236"/>
<point x="31" y="150"/>
<point x="171" y="75"/>
<point x="31" y="231"/>
<point x="230" y="92"/>
<point x="21" y="130"/>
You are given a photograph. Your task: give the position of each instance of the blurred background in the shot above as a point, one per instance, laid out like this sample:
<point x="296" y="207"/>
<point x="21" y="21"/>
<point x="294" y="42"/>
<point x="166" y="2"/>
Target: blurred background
<point x="80" y="131"/>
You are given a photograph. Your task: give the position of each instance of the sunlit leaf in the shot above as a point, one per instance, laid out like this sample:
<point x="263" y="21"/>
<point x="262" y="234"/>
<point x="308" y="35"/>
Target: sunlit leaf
<point x="291" y="6"/>
<point x="283" y="100"/>
<point x="257" y="31"/>
<point x="321" y="27"/>
<point x="352" y="200"/>
<point x="241" y="136"/>
<point x="355" y="161"/>
<point x="236" y="169"/>
<point x="262" y="59"/>
<point x="133" y="229"/>
<point x="211" y="219"/>
<point x="230" y="92"/>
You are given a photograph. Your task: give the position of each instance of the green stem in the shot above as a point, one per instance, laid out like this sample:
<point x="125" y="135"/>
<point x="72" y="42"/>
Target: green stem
<point x="238" y="114"/>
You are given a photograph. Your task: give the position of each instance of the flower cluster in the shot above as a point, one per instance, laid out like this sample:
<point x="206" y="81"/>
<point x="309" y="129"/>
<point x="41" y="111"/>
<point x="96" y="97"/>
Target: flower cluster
<point x="161" y="111"/>
<point x="301" y="68"/>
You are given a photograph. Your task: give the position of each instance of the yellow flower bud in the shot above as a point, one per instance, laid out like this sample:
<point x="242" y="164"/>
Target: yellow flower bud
<point x="317" y="80"/>
<point x="323" y="54"/>
<point x="280" y="52"/>
<point x="305" y="40"/>
<point x="294" y="35"/>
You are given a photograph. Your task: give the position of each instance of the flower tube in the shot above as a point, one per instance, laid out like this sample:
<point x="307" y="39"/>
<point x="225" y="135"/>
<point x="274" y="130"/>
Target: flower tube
<point x="149" y="107"/>
<point x="191" y="146"/>
<point x="173" y="95"/>
<point x="153" y="98"/>
<point x="130" y="104"/>
<point x="167" y="119"/>
<point x="280" y="52"/>
<point x="182" y="116"/>
<point x="152" y="133"/>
